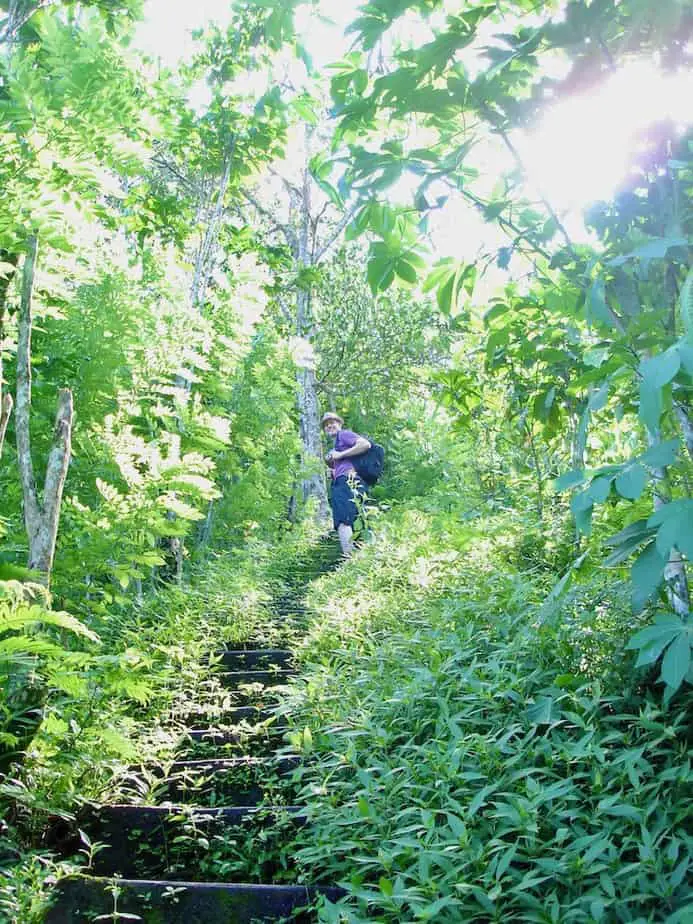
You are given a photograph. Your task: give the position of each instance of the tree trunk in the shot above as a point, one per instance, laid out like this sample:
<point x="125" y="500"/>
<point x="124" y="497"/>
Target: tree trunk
<point x="210" y="212"/>
<point x="313" y="485"/>
<point x="308" y="411"/>
<point x="204" y="258"/>
<point x="19" y="12"/>
<point x="301" y="235"/>
<point x="6" y="401"/>
<point x="40" y="517"/>
<point x="675" y="577"/>
<point x="5" y="414"/>
<point x="686" y="426"/>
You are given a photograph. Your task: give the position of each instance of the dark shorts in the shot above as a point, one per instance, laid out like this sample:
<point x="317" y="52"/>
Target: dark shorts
<point x="344" y="507"/>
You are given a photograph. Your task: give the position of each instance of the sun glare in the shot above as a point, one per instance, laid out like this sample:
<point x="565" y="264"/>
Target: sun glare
<point x="583" y="148"/>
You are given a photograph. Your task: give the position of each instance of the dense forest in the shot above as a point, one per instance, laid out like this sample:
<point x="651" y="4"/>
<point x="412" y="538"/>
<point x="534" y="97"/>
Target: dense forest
<point x="490" y="714"/>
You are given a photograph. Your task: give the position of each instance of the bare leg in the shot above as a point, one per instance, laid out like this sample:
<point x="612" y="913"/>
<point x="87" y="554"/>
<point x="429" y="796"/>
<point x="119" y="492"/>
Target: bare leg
<point x="345" y="533"/>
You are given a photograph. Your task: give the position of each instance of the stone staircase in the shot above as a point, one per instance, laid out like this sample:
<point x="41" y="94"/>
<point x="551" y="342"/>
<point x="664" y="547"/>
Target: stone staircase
<point x="213" y="847"/>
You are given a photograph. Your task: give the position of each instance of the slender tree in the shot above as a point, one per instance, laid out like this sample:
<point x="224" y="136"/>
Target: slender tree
<point x="41" y="510"/>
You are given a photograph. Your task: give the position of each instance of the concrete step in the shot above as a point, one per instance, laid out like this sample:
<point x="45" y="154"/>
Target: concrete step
<point x="240" y="719"/>
<point x="255" y="659"/>
<point x="258" y="688"/>
<point x="232" y="680"/>
<point x="208" y="743"/>
<point x="239" y="781"/>
<point x="80" y="899"/>
<point x="173" y="841"/>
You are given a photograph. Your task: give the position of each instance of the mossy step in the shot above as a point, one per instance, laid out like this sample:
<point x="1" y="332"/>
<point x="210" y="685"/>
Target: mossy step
<point x="176" y="841"/>
<point x="233" y="719"/>
<point x="238" y="781"/>
<point x="221" y="741"/>
<point x="232" y="680"/>
<point x="238" y="659"/>
<point x="258" y="688"/>
<point x="80" y="899"/>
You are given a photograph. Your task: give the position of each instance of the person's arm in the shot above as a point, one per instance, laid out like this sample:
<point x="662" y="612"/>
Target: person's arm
<point x="360" y="446"/>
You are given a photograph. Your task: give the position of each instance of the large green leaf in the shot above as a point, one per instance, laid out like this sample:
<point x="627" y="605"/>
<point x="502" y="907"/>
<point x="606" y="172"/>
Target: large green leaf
<point x="647" y="574"/>
<point x="581" y="505"/>
<point x="655" y="249"/>
<point x="675" y="522"/>
<point x="597" y="306"/>
<point x="632" y="482"/>
<point x="661" y="454"/>
<point x="570" y="479"/>
<point x="659" y="370"/>
<point x="666" y="626"/>
<point x="651" y="405"/>
<point x="686" y="354"/>
<point x="600" y="489"/>
<point x="405" y="271"/>
<point x="677" y="660"/>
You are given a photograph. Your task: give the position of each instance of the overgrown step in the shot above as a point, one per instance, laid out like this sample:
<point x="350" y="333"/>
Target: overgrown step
<point x="228" y="718"/>
<point x="82" y="898"/>
<point x="255" y="687"/>
<point x="255" y="659"/>
<point x="257" y="741"/>
<point x="233" y="680"/>
<point x="236" y="843"/>
<point x="238" y="781"/>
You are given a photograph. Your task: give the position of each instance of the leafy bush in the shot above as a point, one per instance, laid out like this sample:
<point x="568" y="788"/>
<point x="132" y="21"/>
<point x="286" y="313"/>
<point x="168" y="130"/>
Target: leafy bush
<point x="476" y="757"/>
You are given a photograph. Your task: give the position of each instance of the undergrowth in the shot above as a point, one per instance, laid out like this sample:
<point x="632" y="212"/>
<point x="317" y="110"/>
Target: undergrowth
<point x="478" y="755"/>
<point x="477" y="748"/>
<point x="123" y="710"/>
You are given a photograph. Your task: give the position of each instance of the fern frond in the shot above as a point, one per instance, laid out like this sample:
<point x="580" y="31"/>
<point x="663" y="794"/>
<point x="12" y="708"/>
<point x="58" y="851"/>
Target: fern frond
<point x="25" y="616"/>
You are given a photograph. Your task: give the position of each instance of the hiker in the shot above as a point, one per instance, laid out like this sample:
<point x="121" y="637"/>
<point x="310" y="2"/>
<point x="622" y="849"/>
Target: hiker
<point x="346" y="484"/>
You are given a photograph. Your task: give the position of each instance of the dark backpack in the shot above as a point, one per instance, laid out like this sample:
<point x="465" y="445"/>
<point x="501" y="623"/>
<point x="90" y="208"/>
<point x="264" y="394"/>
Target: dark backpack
<point x="369" y="465"/>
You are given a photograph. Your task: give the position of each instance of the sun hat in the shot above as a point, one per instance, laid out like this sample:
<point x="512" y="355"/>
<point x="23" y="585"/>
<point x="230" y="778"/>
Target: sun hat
<point x="330" y="415"/>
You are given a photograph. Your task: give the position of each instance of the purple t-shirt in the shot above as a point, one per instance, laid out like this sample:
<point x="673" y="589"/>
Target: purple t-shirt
<point x="345" y="439"/>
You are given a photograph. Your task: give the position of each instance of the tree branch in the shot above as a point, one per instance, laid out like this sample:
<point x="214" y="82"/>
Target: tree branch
<point x="164" y="164"/>
<point x="341" y="225"/>
<point x="5" y="413"/>
<point x="56" y="473"/>
<point x="32" y="511"/>
<point x="289" y="186"/>
<point x="16" y="19"/>
<point x="286" y="230"/>
<point x="6" y="401"/>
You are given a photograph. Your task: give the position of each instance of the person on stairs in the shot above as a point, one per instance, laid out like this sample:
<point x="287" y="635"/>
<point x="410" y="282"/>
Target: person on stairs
<point x="346" y="484"/>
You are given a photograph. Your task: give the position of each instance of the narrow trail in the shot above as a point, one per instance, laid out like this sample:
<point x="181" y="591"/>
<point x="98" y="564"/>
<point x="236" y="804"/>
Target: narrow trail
<point x="210" y="849"/>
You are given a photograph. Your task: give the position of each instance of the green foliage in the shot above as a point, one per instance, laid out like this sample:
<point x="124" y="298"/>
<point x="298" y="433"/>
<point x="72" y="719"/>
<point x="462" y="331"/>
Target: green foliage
<point x="483" y="746"/>
<point x="372" y="349"/>
<point x="477" y="755"/>
<point x="33" y="659"/>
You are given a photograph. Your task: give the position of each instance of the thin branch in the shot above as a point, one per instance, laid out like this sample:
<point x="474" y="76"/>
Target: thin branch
<point x="164" y="163"/>
<point x="32" y="510"/>
<point x="288" y="315"/>
<point x="550" y="209"/>
<point x="56" y="472"/>
<point x="5" y="414"/>
<point x="286" y="230"/>
<point x="508" y="226"/>
<point x="16" y="20"/>
<point x="341" y="225"/>
<point x="492" y="119"/>
<point x="290" y="187"/>
<point x="607" y="54"/>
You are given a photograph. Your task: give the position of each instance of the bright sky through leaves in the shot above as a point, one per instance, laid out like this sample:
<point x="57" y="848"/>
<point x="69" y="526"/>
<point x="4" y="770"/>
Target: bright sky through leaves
<point x="584" y="147"/>
<point x="580" y="153"/>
